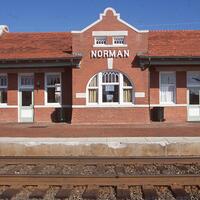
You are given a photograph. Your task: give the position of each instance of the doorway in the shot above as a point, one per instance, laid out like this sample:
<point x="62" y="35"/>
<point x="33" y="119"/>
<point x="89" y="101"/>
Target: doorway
<point x="193" y="90"/>
<point x="26" y="99"/>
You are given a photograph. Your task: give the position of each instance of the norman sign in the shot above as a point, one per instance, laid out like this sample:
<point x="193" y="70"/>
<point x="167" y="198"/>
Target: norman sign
<point x="109" y="53"/>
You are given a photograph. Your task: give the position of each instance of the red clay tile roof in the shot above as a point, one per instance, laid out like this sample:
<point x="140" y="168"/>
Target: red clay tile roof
<point x="35" y="45"/>
<point x="59" y="45"/>
<point x="174" y="43"/>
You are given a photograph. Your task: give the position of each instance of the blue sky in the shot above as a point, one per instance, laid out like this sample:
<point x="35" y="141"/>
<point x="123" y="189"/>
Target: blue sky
<point x="67" y="15"/>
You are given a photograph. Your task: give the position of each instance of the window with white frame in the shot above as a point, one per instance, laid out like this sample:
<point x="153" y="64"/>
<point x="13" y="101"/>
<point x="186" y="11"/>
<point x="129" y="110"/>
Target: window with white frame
<point x="127" y="90"/>
<point x="93" y="90"/>
<point x="118" y="40"/>
<point x="193" y="85"/>
<point x="3" y="89"/>
<point x="27" y="81"/>
<point x="53" y="88"/>
<point x="110" y="87"/>
<point x="100" y="40"/>
<point x="167" y="87"/>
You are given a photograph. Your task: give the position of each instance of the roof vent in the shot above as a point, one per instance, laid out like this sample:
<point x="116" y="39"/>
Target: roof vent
<point x="3" y="29"/>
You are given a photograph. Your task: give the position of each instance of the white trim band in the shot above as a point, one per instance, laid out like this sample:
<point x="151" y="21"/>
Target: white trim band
<point x="102" y="106"/>
<point x="109" y="33"/>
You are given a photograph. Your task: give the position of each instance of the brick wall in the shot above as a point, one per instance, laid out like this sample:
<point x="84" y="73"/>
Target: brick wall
<point x="110" y="115"/>
<point x="171" y="113"/>
<point x="83" y="42"/>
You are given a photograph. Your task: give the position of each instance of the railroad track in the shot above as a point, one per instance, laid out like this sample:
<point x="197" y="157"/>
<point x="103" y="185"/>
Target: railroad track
<point x="100" y="178"/>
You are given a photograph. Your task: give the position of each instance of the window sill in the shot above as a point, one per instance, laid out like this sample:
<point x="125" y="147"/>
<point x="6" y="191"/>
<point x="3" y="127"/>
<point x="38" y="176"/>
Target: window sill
<point x="53" y="105"/>
<point x="5" y="105"/>
<point x="110" y="105"/>
<point x="167" y="103"/>
<point x="110" y="45"/>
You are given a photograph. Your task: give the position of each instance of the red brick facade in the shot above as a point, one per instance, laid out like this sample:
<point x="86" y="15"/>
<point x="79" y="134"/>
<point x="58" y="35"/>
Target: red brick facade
<point x="83" y="42"/>
<point x="74" y="106"/>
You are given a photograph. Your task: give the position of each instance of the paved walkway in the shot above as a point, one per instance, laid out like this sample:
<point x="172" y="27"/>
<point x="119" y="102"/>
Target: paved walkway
<point x="66" y="130"/>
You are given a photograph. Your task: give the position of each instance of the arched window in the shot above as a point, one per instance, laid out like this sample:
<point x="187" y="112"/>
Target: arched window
<point x="109" y="87"/>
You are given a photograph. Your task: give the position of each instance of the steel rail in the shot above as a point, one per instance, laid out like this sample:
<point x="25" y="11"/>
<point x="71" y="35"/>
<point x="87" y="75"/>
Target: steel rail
<point x="104" y="181"/>
<point x="97" y="160"/>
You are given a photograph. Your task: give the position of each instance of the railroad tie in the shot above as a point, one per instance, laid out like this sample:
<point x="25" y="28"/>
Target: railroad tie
<point x="123" y="192"/>
<point x="100" y="169"/>
<point x="9" y="193"/>
<point x="149" y="193"/>
<point x="161" y="168"/>
<point x="120" y="171"/>
<point x="179" y="193"/>
<point x="37" y="169"/>
<point x="140" y="169"/>
<point x="91" y="192"/>
<point x="37" y="194"/>
<point x="64" y="193"/>
<point x="182" y="168"/>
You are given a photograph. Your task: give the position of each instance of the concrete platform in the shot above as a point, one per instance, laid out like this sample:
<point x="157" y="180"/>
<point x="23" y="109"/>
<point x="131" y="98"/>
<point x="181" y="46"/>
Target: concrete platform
<point x="103" y="146"/>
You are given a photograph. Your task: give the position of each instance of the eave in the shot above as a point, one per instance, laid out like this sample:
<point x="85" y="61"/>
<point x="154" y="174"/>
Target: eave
<point x="40" y="62"/>
<point x="148" y="61"/>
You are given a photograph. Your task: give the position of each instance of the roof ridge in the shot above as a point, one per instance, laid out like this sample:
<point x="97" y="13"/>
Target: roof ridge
<point x="174" y="30"/>
<point x="39" y="32"/>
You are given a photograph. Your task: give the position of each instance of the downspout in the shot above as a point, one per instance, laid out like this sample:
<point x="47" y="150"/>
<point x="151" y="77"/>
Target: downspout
<point x="149" y="97"/>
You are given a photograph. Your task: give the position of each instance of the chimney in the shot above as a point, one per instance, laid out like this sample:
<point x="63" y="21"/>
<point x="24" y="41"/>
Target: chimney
<point x="3" y="29"/>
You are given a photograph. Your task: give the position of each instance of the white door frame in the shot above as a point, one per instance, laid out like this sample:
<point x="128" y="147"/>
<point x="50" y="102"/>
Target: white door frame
<point x="197" y="107"/>
<point x="20" y="88"/>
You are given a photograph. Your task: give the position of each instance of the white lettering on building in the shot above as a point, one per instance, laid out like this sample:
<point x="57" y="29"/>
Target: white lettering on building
<point x="110" y="53"/>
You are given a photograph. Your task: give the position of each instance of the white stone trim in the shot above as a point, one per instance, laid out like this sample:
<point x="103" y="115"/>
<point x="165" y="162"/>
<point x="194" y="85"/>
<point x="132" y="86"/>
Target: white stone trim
<point x="109" y="33"/>
<point x="118" y="18"/>
<point x="139" y="94"/>
<point x="126" y="105"/>
<point x="95" y="105"/>
<point x="168" y="105"/>
<point x="110" y="45"/>
<point x="47" y="106"/>
<point x="8" y="106"/>
<point x="81" y="95"/>
<point x="110" y="63"/>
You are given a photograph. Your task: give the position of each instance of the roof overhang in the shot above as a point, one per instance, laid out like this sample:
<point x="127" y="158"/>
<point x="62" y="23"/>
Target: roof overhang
<point x="148" y="61"/>
<point x="40" y="62"/>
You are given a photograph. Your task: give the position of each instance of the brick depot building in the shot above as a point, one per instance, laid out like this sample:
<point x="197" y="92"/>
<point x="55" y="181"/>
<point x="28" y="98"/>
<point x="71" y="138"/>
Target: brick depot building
<point x="109" y="72"/>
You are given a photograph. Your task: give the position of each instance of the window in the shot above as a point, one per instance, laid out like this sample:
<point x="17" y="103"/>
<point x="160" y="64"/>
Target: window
<point x="167" y="87"/>
<point x="127" y="90"/>
<point x="93" y="90"/>
<point x="3" y="88"/>
<point x="27" y="81"/>
<point x="53" y="88"/>
<point x="119" y="40"/>
<point x="100" y="40"/>
<point x="110" y="87"/>
<point x="193" y="84"/>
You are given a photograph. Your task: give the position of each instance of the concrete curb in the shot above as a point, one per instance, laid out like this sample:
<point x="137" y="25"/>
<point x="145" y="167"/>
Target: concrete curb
<point x="122" y="147"/>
